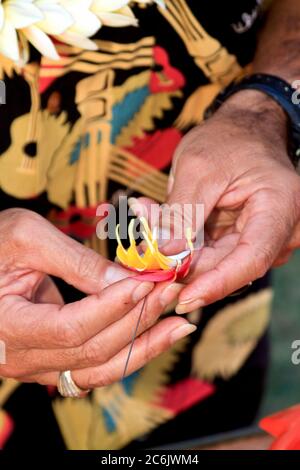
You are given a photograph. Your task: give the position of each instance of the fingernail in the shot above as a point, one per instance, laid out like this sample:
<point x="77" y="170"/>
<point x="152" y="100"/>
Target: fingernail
<point x="141" y="291"/>
<point x="170" y="293"/>
<point x="114" y="274"/>
<point x="187" y="306"/>
<point x="132" y="201"/>
<point x="182" y="331"/>
<point x="135" y="206"/>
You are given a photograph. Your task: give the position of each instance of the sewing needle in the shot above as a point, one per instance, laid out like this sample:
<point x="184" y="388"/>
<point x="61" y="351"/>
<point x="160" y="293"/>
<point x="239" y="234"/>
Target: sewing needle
<point x="134" y="337"/>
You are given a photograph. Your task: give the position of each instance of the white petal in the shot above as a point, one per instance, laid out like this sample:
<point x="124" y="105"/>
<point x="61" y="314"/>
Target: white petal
<point x="24" y="50"/>
<point x="85" y="22"/>
<point x="41" y="42"/>
<point x="78" y="41"/>
<point x="21" y="14"/>
<point x="117" y="20"/>
<point x="9" y="45"/>
<point x="126" y="11"/>
<point x="56" y="19"/>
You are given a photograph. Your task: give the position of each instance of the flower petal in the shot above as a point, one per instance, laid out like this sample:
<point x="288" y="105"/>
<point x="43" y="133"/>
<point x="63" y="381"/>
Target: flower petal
<point x="21" y="14"/>
<point x="41" y="42"/>
<point x="129" y="258"/>
<point x="55" y="20"/>
<point x="160" y="276"/>
<point x="9" y="45"/>
<point x="85" y="23"/>
<point x="153" y="257"/>
<point x="77" y="40"/>
<point x="133" y="256"/>
<point x="116" y="20"/>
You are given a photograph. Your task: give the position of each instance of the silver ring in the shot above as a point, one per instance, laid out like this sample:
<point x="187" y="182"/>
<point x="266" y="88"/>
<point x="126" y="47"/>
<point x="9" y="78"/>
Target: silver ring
<point x="68" y="388"/>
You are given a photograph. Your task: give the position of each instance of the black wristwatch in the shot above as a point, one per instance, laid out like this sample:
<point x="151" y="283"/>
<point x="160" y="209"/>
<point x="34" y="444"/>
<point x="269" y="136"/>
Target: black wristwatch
<point x="281" y="91"/>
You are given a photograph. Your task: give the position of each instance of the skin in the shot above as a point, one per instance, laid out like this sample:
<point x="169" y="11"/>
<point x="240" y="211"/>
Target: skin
<point x="90" y="337"/>
<point x="251" y="195"/>
<point x="245" y="179"/>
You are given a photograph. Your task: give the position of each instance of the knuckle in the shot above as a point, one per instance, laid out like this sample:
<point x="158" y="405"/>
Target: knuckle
<point x="151" y="313"/>
<point x="94" y="352"/>
<point x="22" y="223"/>
<point x="149" y="317"/>
<point x="87" y="263"/>
<point x="154" y="348"/>
<point x="69" y="333"/>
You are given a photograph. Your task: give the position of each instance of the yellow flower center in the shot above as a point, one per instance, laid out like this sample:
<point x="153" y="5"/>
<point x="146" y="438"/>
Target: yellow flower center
<point x="152" y="258"/>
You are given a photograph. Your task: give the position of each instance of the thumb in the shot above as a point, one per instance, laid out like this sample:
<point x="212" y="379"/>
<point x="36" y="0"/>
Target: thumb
<point x="152" y="212"/>
<point x="194" y="192"/>
<point x="44" y="248"/>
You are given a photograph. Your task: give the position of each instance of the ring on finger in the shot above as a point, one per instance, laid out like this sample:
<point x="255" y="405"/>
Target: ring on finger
<point x="68" y="388"/>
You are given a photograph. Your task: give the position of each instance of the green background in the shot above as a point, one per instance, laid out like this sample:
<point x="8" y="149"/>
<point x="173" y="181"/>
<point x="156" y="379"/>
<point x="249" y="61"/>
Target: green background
<point x="283" y="385"/>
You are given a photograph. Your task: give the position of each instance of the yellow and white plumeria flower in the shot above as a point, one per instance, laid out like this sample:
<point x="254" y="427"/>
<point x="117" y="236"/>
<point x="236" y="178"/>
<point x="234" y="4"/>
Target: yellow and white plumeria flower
<point x="70" y="21"/>
<point x="152" y="265"/>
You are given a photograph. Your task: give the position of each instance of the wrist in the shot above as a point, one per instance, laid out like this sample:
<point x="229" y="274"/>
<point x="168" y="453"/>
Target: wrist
<point x="256" y="102"/>
<point x="258" y="112"/>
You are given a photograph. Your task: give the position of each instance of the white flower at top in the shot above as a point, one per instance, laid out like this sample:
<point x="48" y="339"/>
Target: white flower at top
<point x="70" y="21"/>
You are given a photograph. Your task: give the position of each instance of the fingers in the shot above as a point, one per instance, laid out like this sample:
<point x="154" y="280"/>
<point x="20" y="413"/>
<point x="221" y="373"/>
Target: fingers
<point x="53" y="326"/>
<point x="258" y="246"/>
<point x="211" y="255"/>
<point x="74" y="263"/>
<point x="105" y="344"/>
<point x="152" y="212"/>
<point x="143" y="207"/>
<point x="48" y="293"/>
<point x="191" y="200"/>
<point x="42" y="247"/>
<point x="205" y="189"/>
<point x="148" y="346"/>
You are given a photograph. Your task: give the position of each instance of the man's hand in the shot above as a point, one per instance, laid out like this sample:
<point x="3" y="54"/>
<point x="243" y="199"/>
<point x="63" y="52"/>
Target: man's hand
<point x="90" y="337"/>
<point x="237" y="165"/>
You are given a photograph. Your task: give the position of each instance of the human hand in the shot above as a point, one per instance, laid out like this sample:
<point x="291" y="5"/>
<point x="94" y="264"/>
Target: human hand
<point x="237" y="165"/>
<point x="90" y="337"/>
